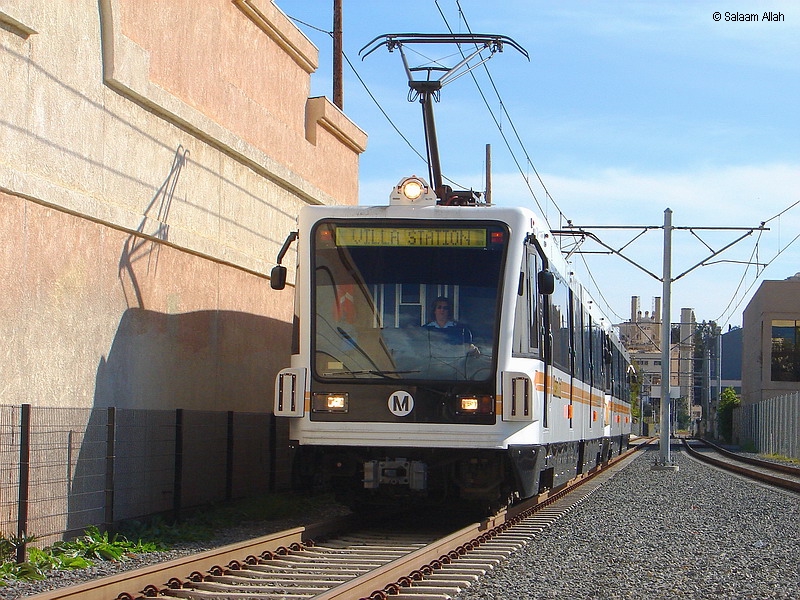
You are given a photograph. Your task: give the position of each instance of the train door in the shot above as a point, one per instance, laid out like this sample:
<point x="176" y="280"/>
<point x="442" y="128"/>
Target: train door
<point x="559" y="336"/>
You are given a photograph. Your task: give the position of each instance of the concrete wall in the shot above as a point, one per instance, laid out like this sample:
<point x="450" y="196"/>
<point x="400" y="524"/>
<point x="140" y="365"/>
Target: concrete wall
<point x="154" y="156"/>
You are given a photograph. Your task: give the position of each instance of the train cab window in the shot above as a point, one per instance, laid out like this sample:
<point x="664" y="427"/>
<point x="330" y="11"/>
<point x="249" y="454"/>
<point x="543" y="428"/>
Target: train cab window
<point x="374" y="286"/>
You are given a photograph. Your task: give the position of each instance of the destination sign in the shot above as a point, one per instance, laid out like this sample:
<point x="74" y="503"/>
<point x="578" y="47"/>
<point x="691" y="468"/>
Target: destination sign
<point x="411" y="237"/>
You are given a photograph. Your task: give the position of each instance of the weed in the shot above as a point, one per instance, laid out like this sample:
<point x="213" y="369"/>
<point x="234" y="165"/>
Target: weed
<point x="781" y="458"/>
<point x="152" y="536"/>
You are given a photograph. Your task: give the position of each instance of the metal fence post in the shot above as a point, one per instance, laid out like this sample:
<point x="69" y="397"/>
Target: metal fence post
<point x="24" y="478"/>
<point x="273" y="452"/>
<point x="229" y="459"/>
<point x="178" y="481"/>
<point x="111" y="423"/>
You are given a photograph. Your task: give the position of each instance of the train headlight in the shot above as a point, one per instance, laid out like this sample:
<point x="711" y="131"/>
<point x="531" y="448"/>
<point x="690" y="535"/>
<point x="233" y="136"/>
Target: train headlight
<point x="475" y="405"/>
<point x="331" y="403"/>
<point x="413" y="191"/>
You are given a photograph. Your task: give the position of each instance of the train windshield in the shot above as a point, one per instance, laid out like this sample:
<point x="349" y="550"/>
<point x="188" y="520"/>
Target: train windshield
<point x="406" y="301"/>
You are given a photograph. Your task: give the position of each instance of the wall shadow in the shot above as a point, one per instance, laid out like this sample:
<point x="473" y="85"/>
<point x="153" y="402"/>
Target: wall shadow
<point x="205" y="363"/>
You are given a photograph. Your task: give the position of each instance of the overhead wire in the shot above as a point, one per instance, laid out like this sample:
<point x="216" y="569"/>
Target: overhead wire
<point x="525" y="177"/>
<point x="371" y="95"/>
<point x="548" y="195"/>
<point x="529" y="162"/>
<point x="542" y="209"/>
<point x="499" y="126"/>
<point x="561" y="212"/>
<point x="765" y="266"/>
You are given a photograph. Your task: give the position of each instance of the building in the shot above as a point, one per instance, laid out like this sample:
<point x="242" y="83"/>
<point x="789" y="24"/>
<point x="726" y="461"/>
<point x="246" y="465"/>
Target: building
<point x="731" y="362"/>
<point x="147" y="181"/>
<point x="771" y="342"/>
<point x="768" y="419"/>
<point x="155" y="156"/>
<point x="642" y="337"/>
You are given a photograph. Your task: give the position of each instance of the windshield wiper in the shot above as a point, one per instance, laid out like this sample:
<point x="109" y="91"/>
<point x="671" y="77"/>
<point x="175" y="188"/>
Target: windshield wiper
<point x="369" y="372"/>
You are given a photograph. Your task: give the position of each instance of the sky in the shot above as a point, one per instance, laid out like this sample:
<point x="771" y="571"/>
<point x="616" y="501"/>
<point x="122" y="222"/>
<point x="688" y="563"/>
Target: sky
<point x="623" y="110"/>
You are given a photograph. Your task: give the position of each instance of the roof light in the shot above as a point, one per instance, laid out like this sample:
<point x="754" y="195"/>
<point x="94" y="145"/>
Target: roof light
<point x="413" y="191"/>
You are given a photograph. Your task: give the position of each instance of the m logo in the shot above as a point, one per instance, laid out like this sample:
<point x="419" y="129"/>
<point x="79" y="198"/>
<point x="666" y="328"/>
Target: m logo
<point x="401" y="403"/>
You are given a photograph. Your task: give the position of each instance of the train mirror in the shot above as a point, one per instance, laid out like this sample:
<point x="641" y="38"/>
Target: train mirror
<point x="277" y="277"/>
<point x="547" y="282"/>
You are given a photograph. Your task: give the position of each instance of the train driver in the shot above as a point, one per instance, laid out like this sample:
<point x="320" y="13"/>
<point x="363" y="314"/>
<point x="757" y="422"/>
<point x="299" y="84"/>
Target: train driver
<point x="440" y="314"/>
<point x="440" y="319"/>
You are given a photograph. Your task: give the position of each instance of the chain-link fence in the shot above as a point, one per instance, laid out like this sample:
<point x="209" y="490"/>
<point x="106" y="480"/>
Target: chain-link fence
<point x="62" y="469"/>
<point x="771" y="426"/>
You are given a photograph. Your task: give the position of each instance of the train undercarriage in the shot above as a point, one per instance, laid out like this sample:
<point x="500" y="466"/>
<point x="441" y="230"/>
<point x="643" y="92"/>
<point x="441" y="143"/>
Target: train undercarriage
<point x="482" y="479"/>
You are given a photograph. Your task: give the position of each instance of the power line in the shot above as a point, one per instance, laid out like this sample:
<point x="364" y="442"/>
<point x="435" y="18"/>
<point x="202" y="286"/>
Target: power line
<point x="499" y="126"/>
<point x="513" y="126"/>
<point x="371" y="95"/>
<point x="525" y="177"/>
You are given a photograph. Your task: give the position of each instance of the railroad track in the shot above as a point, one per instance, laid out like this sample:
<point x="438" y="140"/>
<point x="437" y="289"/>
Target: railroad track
<point x="776" y="474"/>
<point x="371" y="564"/>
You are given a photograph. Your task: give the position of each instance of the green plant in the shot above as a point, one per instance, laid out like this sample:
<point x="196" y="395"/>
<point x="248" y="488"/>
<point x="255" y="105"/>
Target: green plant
<point x="10" y="545"/>
<point x="781" y="457"/>
<point x="94" y="544"/>
<point x="728" y="401"/>
<point x="74" y="554"/>
<point x="152" y="536"/>
<point x="24" y="571"/>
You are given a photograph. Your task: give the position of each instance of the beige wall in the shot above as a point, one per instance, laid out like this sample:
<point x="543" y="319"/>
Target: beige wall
<point x="154" y="156"/>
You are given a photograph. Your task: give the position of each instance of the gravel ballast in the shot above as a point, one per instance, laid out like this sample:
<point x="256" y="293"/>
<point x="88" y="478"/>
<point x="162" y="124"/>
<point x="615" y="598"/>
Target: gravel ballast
<point x="696" y="533"/>
<point x="693" y="533"/>
<point x="14" y="590"/>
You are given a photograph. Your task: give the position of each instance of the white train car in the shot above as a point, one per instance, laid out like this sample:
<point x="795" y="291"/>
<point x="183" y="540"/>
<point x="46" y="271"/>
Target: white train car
<point x="444" y="352"/>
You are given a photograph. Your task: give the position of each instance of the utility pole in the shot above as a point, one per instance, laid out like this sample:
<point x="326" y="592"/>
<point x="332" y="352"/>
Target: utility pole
<point x="338" y="85"/>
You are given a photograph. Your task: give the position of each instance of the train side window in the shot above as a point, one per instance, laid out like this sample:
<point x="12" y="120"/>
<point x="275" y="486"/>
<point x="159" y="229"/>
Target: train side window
<point x="587" y="347"/>
<point x="559" y="320"/>
<point x="534" y="306"/>
<point x="607" y="364"/>
<point x="520" y="347"/>
<point x="577" y="338"/>
<point x="528" y="311"/>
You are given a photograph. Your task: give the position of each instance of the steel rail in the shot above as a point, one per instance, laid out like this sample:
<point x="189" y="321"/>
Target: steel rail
<point x="773" y="466"/>
<point x="775" y="480"/>
<point x="169" y="578"/>
<point x="389" y="579"/>
<point x="139" y="582"/>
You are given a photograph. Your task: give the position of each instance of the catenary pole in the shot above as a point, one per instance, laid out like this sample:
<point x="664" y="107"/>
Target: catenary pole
<point x="664" y="458"/>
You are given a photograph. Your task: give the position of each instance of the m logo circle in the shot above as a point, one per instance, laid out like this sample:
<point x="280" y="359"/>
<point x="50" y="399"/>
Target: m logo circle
<point x="401" y="403"/>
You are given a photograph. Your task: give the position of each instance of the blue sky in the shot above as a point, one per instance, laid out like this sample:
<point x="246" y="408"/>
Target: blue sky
<point x="625" y="109"/>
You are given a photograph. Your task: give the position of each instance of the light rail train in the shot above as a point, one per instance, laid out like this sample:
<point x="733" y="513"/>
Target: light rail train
<point x="443" y="351"/>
